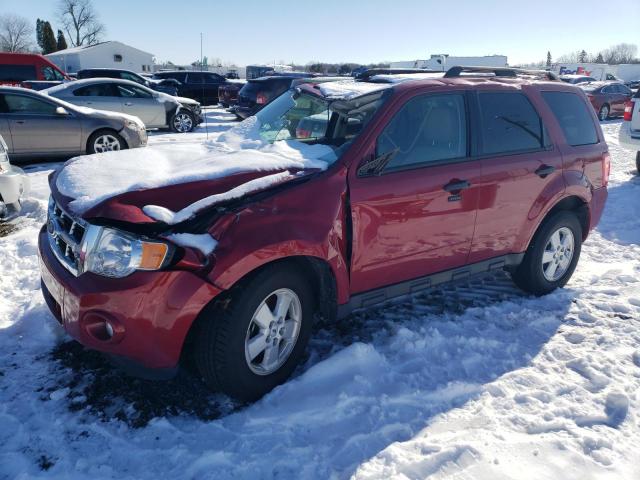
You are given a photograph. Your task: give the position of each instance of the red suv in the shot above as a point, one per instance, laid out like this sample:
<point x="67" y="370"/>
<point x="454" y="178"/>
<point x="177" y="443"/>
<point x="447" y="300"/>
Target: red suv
<point x="417" y="179"/>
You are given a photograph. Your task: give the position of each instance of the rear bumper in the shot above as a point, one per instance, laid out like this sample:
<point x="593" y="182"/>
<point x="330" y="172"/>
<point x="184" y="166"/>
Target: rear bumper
<point x="598" y="200"/>
<point x="150" y="313"/>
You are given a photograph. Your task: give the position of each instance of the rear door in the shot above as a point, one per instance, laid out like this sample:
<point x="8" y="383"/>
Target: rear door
<point x="36" y="128"/>
<point x="520" y="168"/>
<point x="417" y="216"/>
<point x="100" y="96"/>
<point x="143" y="104"/>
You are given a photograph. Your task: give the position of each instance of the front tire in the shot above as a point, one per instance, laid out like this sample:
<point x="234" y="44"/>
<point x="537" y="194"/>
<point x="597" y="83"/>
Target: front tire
<point x="603" y="113"/>
<point x="183" y="122"/>
<point x="252" y="341"/>
<point x="552" y="255"/>
<point x="105" y="141"/>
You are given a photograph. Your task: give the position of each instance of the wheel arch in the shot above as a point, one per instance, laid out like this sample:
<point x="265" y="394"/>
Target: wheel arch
<point x="103" y="129"/>
<point x="569" y="203"/>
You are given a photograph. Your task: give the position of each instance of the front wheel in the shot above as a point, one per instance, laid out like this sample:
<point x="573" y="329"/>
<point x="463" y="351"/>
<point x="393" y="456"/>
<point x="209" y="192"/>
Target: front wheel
<point x="552" y="256"/>
<point x="105" y="141"/>
<point x="183" y="122"/>
<point x="252" y="341"/>
<point x="603" y="113"/>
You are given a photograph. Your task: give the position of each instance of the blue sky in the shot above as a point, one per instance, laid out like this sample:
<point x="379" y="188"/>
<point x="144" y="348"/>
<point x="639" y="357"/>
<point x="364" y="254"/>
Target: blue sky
<point x="253" y="31"/>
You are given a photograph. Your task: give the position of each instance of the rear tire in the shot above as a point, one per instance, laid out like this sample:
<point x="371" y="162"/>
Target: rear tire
<point x="245" y="350"/>
<point x="105" y="141"/>
<point x="603" y="113"/>
<point x="546" y="264"/>
<point x="638" y="162"/>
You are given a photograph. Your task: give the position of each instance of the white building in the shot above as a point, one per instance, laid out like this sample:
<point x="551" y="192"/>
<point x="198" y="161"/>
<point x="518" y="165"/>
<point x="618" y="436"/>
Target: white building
<point x="443" y="62"/>
<point x="103" y="55"/>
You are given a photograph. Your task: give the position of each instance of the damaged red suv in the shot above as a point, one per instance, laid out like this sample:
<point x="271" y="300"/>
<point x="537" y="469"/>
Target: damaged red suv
<point x="229" y="250"/>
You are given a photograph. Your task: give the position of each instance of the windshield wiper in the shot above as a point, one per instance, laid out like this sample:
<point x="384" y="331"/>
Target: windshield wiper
<point x="375" y="165"/>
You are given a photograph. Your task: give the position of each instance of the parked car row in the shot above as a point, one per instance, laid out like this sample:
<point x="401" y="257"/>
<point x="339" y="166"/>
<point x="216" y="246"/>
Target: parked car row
<point x="630" y="129"/>
<point x="607" y="98"/>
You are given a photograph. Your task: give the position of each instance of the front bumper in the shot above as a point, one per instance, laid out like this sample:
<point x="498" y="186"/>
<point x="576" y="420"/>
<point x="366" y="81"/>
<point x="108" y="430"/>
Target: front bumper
<point x="14" y="185"/>
<point x="149" y="313"/>
<point x="134" y="138"/>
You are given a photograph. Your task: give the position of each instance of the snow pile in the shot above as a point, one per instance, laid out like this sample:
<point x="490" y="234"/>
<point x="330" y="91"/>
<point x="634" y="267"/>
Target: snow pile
<point x="348" y="89"/>
<point x="92" y="179"/>
<point x="165" y="215"/>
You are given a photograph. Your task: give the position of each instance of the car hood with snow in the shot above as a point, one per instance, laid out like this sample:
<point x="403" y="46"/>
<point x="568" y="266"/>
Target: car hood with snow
<point x="160" y="182"/>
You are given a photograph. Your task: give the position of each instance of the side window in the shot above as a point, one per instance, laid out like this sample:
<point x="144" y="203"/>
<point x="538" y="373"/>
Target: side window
<point x="213" y="78"/>
<point x="573" y="116"/>
<point x="195" y="78"/>
<point x="427" y="129"/>
<point x="509" y="123"/>
<point x="98" y="90"/>
<point x="21" y="104"/>
<point x="128" y="76"/>
<point x="18" y="73"/>
<point x="607" y="90"/>
<point x="51" y="74"/>
<point x="129" y="91"/>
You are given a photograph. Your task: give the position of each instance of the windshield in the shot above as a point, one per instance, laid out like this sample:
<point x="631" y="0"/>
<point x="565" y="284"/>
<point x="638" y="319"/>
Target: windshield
<point x="311" y="119"/>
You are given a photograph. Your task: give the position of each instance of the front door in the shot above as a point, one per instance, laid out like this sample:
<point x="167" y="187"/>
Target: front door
<point x="142" y="103"/>
<point x="417" y="215"/>
<point x="37" y="128"/>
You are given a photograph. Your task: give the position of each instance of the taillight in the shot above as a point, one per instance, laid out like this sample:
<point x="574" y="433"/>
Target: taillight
<point x="628" y="110"/>
<point x="606" y="169"/>
<point x="302" y="133"/>
<point x="261" y="99"/>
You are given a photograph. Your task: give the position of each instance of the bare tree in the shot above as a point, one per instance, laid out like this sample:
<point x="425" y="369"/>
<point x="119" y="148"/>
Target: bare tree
<point x="621" y="53"/>
<point x="15" y="33"/>
<point x="80" y="21"/>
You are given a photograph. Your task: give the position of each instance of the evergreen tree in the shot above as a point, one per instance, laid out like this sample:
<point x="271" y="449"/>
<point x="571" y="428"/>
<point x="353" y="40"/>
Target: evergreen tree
<point x="548" y="59"/>
<point x="582" y="57"/>
<point x="39" y="33"/>
<point x="62" y="42"/>
<point x="49" y="44"/>
<point x="599" y="58"/>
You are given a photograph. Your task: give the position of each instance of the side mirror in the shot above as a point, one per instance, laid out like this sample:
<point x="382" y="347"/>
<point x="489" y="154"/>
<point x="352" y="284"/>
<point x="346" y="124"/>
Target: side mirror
<point x="61" y="111"/>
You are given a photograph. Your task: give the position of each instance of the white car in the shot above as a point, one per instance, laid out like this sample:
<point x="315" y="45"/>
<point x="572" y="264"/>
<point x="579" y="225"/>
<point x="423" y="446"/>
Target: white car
<point x="630" y="129"/>
<point x="14" y="185"/>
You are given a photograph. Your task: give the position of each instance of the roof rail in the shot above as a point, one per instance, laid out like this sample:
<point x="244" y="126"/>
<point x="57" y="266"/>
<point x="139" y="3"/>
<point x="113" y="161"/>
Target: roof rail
<point x="501" y="72"/>
<point x="367" y="74"/>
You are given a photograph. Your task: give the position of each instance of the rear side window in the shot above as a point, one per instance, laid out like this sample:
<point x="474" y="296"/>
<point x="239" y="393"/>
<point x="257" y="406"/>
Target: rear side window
<point x="427" y="129"/>
<point x="99" y="90"/>
<point x="573" y="116"/>
<point x="509" y="124"/>
<point x="196" y="78"/>
<point x="18" y="73"/>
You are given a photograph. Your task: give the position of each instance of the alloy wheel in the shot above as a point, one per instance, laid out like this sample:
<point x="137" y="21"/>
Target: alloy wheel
<point x="557" y="254"/>
<point x="182" y="122"/>
<point x="604" y="112"/>
<point x="273" y="331"/>
<point x="106" y="143"/>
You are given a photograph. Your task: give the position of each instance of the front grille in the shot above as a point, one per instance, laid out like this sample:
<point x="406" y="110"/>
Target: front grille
<point x="65" y="237"/>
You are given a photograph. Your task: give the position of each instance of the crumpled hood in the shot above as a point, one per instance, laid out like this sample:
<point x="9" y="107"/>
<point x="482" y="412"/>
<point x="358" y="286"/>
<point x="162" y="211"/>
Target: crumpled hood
<point x="118" y="185"/>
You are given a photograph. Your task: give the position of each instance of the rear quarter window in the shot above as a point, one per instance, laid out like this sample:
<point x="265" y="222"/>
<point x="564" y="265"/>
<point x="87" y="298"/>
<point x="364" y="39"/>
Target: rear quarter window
<point x="574" y="117"/>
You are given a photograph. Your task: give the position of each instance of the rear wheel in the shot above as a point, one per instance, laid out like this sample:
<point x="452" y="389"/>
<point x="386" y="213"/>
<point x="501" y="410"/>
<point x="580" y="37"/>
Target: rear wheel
<point x="105" y="141"/>
<point x="252" y="342"/>
<point x="552" y="256"/>
<point x="603" y="113"/>
<point x="638" y="162"/>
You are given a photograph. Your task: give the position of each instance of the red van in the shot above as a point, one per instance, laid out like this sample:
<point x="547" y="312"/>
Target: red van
<point x="16" y="68"/>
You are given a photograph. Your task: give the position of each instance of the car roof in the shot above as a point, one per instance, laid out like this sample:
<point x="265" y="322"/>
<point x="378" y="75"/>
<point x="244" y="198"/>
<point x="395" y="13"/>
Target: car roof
<point x="93" y="81"/>
<point x="107" y="70"/>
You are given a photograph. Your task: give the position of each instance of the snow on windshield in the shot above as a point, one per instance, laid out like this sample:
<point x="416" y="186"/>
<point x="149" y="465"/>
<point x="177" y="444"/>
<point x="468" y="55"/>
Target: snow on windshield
<point x="91" y="179"/>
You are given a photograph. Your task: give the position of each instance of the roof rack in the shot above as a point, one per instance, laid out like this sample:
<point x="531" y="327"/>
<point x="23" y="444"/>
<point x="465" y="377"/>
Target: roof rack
<point x="367" y="74"/>
<point x="501" y="72"/>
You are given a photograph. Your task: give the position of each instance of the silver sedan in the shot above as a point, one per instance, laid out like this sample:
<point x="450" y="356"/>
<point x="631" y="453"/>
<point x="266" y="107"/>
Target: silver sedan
<point x="155" y="109"/>
<point x="39" y="126"/>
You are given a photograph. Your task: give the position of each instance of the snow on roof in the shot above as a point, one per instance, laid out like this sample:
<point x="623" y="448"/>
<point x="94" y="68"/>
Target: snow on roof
<point x="91" y="179"/>
<point x="349" y="89"/>
<point x="406" y="77"/>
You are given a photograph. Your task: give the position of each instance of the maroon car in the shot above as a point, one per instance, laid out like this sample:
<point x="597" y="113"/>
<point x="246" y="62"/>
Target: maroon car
<point x="608" y="98"/>
<point x="228" y="93"/>
<point x="233" y="254"/>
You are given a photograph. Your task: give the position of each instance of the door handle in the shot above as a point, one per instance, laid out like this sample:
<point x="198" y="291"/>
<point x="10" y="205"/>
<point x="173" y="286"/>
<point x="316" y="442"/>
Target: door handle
<point x="128" y="104"/>
<point x="456" y="185"/>
<point x="20" y="122"/>
<point x="545" y="170"/>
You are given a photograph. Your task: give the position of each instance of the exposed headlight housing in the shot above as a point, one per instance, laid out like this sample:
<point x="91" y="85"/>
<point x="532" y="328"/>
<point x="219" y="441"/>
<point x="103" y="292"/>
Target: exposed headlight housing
<point x="133" y="125"/>
<point x="113" y="253"/>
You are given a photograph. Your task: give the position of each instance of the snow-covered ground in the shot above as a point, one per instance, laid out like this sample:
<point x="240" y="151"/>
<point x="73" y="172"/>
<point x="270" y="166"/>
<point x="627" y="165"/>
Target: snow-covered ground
<point x="470" y="381"/>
